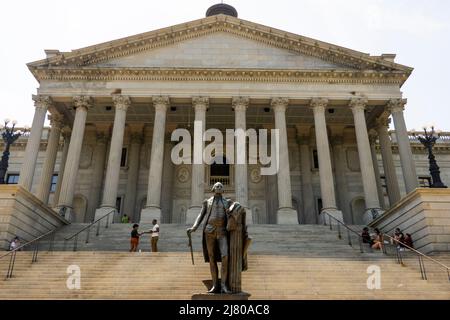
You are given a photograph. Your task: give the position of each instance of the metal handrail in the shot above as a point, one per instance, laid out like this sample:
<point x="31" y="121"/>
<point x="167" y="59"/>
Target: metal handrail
<point x="419" y="254"/>
<point x="35" y="241"/>
<point x="88" y="228"/>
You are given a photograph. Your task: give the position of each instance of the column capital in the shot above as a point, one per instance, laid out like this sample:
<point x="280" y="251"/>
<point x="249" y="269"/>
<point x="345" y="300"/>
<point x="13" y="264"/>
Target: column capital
<point x="240" y="103"/>
<point x="279" y="104"/>
<point x="136" y="138"/>
<point x="82" y="102"/>
<point x="337" y="140"/>
<point x="102" y="137"/>
<point x="161" y="103"/>
<point x="42" y="102"/>
<point x="373" y="136"/>
<point x="358" y="104"/>
<point x="200" y="103"/>
<point x="121" y="102"/>
<point x="66" y="132"/>
<point x="319" y="104"/>
<point x="382" y="122"/>
<point x="56" y="120"/>
<point x="396" y="105"/>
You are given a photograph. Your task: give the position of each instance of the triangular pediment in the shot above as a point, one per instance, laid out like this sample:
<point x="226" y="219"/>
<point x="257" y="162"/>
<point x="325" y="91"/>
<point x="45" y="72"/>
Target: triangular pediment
<point x="220" y="50"/>
<point x="217" y="42"/>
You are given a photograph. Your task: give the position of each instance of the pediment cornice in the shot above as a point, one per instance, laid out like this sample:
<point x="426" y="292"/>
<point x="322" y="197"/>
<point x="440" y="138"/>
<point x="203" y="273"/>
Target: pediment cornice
<point x="88" y="56"/>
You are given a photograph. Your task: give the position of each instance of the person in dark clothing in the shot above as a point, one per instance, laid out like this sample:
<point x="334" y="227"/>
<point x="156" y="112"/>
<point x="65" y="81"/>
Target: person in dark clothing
<point x="135" y="238"/>
<point x="408" y="241"/>
<point x="366" y="236"/>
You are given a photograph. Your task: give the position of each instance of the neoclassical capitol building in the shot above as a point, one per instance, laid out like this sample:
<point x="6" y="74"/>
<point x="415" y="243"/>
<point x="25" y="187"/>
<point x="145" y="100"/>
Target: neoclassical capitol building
<point x="113" y="107"/>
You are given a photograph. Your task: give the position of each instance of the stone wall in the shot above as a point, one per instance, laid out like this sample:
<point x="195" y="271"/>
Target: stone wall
<point x="23" y="215"/>
<point x="425" y="214"/>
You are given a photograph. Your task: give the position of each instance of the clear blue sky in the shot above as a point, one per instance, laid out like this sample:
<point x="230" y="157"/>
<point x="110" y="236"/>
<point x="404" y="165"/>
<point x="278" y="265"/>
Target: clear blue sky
<point x="417" y="31"/>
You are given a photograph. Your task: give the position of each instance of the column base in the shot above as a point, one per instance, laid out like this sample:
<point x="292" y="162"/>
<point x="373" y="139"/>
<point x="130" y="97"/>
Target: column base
<point x="66" y="212"/>
<point x="335" y="213"/>
<point x="102" y="211"/>
<point x="287" y="216"/>
<point x="150" y="213"/>
<point x="192" y="214"/>
<point x="372" y="214"/>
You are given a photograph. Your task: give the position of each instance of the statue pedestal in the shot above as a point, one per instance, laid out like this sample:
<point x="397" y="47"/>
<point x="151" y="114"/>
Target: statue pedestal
<point x="150" y="213"/>
<point x="221" y="296"/>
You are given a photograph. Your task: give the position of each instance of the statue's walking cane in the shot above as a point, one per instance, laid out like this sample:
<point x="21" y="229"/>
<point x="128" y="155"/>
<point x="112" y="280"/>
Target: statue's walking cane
<point x="190" y="246"/>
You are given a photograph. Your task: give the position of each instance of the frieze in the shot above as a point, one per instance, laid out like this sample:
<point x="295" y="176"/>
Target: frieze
<point x="205" y="74"/>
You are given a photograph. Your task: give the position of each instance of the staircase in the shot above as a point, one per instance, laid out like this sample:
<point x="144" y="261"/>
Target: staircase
<point x="285" y="262"/>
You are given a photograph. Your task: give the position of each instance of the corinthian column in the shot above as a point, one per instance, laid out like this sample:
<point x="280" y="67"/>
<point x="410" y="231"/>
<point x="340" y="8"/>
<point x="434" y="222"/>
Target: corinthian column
<point x="393" y="189"/>
<point x="240" y="105"/>
<point x="305" y="166"/>
<point x="396" y="107"/>
<point x="66" y="131"/>
<point x="121" y="104"/>
<point x="373" y="151"/>
<point x="285" y="213"/>
<point x="340" y="171"/>
<point x="200" y="105"/>
<point x="98" y="171"/>
<point x="56" y="122"/>
<point x="318" y="106"/>
<point x="373" y="208"/>
<point x="153" y="207"/>
<point x="133" y="170"/>
<point x="41" y="104"/>
<point x="82" y="104"/>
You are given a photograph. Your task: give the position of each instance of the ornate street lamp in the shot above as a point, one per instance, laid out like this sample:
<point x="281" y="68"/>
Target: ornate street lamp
<point x="428" y="140"/>
<point x="10" y="135"/>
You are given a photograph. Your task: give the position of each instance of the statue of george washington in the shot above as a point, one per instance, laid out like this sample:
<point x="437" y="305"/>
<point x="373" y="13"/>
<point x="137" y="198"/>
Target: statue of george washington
<point x="225" y="240"/>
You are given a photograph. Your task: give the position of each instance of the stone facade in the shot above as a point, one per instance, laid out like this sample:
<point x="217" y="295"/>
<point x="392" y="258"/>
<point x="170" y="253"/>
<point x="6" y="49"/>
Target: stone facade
<point x="117" y="103"/>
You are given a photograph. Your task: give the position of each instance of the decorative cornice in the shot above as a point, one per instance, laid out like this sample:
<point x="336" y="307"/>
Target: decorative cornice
<point x="82" y="102"/>
<point x="240" y="103"/>
<point x="396" y="105"/>
<point x="66" y="132"/>
<point x="279" y="104"/>
<point x="121" y="102"/>
<point x="222" y="74"/>
<point x="42" y="102"/>
<point x="382" y="122"/>
<point x="219" y="23"/>
<point x="161" y="103"/>
<point x="200" y="103"/>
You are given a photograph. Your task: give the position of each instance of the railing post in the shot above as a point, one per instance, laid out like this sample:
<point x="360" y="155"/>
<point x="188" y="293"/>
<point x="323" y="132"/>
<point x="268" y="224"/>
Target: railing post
<point x="107" y="221"/>
<point x="339" y="230"/>
<point x="35" y="252"/>
<point x="329" y="220"/>
<point x="12" y="260"/>
<point x="422" y="268"/>
<point x="361" y="248"/>
<point x="349" y="238"/>
<point x="87" y="234"/>
<point x="98" y="229"/>
<point x="75" y="243"/>
<point x="52" y="240"/>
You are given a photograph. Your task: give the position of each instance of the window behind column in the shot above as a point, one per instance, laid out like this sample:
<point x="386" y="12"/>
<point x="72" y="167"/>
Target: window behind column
<point x="54" y="182"/>
<point x="12" y="178"/>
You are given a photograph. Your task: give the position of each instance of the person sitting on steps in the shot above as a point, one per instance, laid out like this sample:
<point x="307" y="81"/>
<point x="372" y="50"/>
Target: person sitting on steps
<point x="378" y="240"/>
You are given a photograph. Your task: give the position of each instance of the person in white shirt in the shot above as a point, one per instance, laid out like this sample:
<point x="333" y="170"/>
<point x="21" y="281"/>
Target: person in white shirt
<point x="15" y="243"/>
<point x="154" y="235"/>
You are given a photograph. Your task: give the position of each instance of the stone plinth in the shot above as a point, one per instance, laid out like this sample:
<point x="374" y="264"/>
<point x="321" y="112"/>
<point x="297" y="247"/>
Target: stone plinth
<point x="287" y="216"/>
<point x="423" y="213"/>
<point x="24" y="215"/>
<point x="150" y="213"/>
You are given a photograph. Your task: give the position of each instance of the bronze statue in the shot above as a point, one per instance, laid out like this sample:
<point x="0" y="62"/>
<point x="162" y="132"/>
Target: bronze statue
<point x="225" y="240"/>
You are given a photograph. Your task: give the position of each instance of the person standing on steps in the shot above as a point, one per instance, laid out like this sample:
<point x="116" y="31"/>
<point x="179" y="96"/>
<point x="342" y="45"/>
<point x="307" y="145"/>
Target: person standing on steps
<point x="135" y="238"/>
<point x="154" y="235"/>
